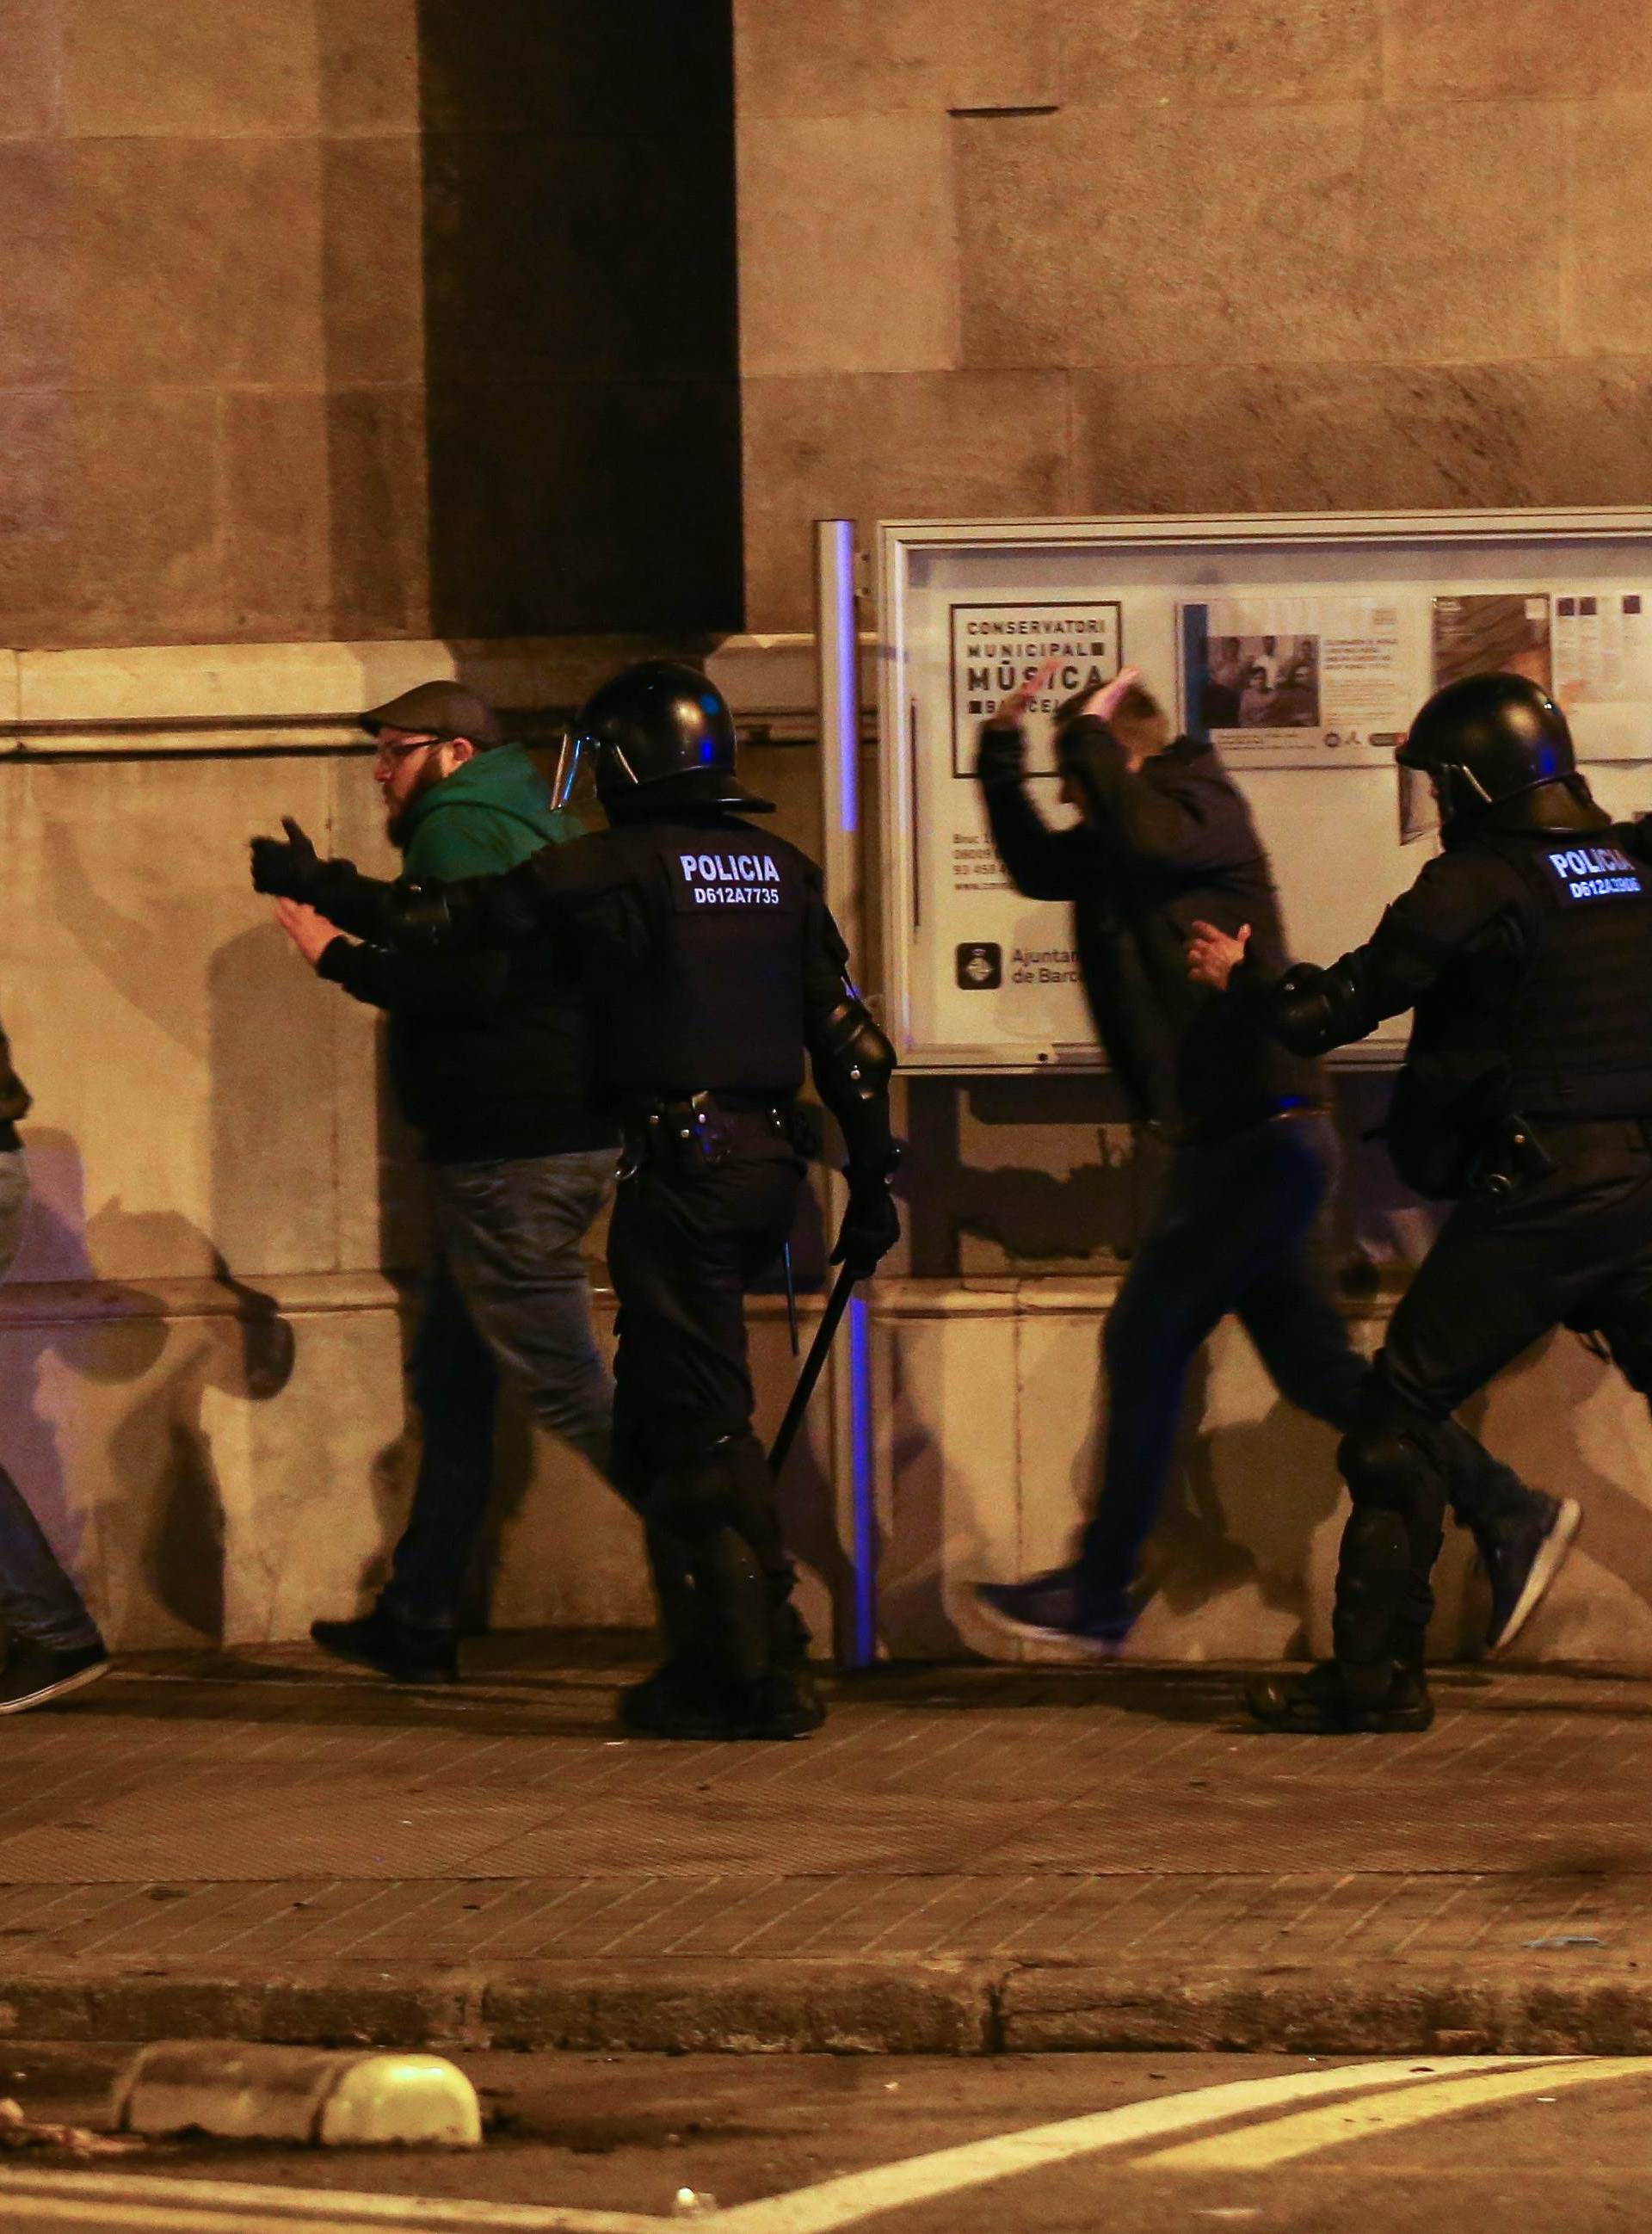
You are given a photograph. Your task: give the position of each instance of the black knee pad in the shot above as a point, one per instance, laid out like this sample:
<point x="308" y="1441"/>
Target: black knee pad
<point x="694" y="1500"/>
<point x="1384" y="1470"/>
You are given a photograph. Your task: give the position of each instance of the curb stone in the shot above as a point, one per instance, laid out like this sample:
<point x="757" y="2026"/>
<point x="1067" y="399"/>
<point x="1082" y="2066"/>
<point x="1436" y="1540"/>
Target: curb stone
<point x="864" y="2008"/>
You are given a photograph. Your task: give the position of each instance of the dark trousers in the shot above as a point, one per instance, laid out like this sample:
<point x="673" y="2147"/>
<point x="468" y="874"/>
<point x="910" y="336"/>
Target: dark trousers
<point x="508" y="1293"/>
<point x="682" y="1249"/>
<point x="1234" y="1233"/>
<point x="1574" y="1248"/>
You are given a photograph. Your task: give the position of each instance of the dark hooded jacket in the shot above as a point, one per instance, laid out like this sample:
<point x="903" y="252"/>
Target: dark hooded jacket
<point x="1160" y="850"/>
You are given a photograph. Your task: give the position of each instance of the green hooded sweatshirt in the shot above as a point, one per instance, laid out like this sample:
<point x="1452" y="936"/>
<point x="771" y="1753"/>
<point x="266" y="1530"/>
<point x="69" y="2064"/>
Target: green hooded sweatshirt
<point x="487" y="815"/>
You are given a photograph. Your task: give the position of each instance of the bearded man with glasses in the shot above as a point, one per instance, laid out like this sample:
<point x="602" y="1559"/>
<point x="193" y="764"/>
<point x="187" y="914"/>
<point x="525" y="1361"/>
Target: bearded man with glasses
<point x="487" y="1059"/>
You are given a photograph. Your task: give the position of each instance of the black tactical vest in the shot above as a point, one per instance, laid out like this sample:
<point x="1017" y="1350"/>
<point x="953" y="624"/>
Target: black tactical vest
<point x="1582" y="1027"/>
<point x="1545" y="1016"/>
<point x="708" y="997"/>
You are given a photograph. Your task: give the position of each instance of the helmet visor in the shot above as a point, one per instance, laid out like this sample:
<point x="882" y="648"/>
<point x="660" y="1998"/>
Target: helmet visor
<point x="565" y="769"/>
<point x="572" y="773"/>
<point x="1418" y="805"/>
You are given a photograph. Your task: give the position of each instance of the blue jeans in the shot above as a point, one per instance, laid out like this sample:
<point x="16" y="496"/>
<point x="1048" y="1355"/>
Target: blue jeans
<point x="38" y="1600"/>
<point x="509" y="1290"/>
<point x="1234" y="1232"/>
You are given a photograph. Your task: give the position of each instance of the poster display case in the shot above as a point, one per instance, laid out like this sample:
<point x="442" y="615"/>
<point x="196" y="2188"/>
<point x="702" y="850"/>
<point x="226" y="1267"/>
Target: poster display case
<point x="1299" y="645"/>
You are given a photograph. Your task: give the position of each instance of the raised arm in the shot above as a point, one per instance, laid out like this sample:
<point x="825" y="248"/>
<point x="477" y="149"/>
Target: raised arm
<point x="458" y="917"/>
<point x="1042" y="863"/>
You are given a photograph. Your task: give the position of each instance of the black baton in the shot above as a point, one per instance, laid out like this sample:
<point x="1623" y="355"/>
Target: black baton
<point x="813" y="1365"/>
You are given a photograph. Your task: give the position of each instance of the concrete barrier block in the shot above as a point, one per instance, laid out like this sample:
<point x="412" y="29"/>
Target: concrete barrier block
<point x="330" y="2098"/>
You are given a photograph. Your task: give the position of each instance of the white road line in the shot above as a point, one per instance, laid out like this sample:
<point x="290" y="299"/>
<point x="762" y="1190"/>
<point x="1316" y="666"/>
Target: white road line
<point x="199" y="2206"/>
<point x="142" y="2203"/>
<point x="1256" y="2147"/>
<point x="859" y="2195"/>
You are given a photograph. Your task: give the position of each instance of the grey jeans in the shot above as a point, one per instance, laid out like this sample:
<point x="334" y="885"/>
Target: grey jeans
<point x="509" y="1290"/>
<point x="38" y="1600"/>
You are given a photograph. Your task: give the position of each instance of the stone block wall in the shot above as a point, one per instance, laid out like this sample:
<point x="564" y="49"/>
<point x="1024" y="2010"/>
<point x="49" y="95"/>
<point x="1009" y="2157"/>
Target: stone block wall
<point x="1034" y="257"/>
<point x="365" y="318"/>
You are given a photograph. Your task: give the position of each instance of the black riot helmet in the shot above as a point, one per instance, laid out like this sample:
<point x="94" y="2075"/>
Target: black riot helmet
<point x="659" y="735"/>
<point x="1487" y="738"/>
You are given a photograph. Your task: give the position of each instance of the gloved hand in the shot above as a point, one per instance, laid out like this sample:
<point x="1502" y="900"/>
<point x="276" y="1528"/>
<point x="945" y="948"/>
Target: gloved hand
<point x="290" y="869"/>
<point x="1001" y="756"/>
<point x="870" y="1224"/>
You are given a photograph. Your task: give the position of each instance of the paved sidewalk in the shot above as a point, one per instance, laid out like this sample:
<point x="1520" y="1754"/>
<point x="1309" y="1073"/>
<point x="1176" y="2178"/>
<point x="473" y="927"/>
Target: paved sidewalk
<point x="966" y="1859"/>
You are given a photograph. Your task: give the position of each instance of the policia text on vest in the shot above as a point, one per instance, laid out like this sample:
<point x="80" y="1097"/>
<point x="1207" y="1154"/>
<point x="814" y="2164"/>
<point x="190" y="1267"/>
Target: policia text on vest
<point x="727" y="880"/>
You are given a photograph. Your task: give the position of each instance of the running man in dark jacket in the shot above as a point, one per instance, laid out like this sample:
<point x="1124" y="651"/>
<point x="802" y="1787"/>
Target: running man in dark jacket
<point x="1165" y="844"/>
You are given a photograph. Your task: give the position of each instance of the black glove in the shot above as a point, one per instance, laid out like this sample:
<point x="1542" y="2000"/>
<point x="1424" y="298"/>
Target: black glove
<point x="1001" y="756"/>
<point x="870" y="1224"/>
<point x="289" y="868"/>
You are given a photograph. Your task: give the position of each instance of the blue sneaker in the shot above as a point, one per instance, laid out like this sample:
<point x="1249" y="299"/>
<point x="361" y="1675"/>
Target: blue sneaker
<point x="1058" y="1608"/>
<point x="1522" y="1558"/>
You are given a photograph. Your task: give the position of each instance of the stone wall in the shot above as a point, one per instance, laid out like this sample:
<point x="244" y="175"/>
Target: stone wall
<point x="1034" y="257"/>
<point x="364" y="319"/>
<point x="203" y="1338"/>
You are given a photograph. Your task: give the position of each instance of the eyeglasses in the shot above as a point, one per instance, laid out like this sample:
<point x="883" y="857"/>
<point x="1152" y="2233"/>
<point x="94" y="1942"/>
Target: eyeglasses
<point x="393" y="755"/>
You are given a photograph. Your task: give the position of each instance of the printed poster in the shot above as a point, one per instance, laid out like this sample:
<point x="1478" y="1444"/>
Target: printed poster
<point x="1290" y="680"/>
<point x="996" y="648"/>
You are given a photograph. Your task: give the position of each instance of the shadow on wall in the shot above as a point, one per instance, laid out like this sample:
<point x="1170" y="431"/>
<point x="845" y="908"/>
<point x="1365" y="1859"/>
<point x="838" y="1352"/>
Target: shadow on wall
<point x="580" y="322"/>
<point x="154" y="1511"/>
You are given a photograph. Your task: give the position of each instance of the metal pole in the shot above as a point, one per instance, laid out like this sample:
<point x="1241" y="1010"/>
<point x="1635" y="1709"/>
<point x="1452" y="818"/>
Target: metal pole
<point x="838" y="662"/>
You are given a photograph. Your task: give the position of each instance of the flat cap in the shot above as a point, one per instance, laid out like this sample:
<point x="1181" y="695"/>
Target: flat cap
<point x="438" y="709"/>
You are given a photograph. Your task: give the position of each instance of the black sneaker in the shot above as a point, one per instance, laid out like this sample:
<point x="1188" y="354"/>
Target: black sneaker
<point x="1056" y="1606"/>
<point x="378" y="1639"/>
<point x="1522" y="1558"/>
<point x="33" y="1673"/>
<point x="1319" y="1704"/>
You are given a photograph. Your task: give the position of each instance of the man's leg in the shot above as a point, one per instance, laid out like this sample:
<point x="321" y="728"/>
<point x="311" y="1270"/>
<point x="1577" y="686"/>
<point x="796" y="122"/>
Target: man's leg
<point x="514" y="1231"/>
<point x="1495" y="1281"/>
<point x="1302" y="1340"/>
<point x="409" y="1634"/>
<point x="1227" y="1214"/>
<point x="679" y="1251"/>
<point x="53" y="1645"/>
<point x="455" y="1385"/>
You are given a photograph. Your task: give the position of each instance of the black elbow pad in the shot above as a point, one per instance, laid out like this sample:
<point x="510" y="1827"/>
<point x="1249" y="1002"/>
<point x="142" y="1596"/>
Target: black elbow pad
<point x="1315" y="1009"/>
<point x="419" y="918"/>
<point x="853" y="1058"/>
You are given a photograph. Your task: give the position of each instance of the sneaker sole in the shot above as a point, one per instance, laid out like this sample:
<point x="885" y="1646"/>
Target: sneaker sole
<point x="1551" y="1556"/>
<point x="77" y="1681"/>
<point x="1012" y="1625"/>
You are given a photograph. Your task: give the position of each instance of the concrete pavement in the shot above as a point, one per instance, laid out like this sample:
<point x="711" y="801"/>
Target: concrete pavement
<point x="963" y="1860"/>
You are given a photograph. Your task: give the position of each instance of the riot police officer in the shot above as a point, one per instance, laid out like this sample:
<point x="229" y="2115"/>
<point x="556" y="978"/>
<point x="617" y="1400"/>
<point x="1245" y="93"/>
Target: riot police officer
<point x="1526" y="949"/>
<point x="711" y="962"/>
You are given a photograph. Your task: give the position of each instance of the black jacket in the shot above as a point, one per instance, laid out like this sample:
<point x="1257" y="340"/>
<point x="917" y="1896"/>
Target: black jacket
<point x="487" y="1051"/>
<point x="1160" y="850"/>
<point x="487" y="1054"/>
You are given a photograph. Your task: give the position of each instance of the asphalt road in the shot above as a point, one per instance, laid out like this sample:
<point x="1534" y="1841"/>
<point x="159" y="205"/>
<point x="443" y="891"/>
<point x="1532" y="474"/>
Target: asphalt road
<point x="805" y="2145"/>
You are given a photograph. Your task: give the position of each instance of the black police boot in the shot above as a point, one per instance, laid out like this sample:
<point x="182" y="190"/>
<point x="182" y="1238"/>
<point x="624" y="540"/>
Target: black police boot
<point x="1522" y="1557"/>
<point x="1332" y="1702"/>
<point x="674" y="1704"/>
<point x="715" y="1610"/>
<point x="787" y="1703"/>
<point x="396" y="1648"/>
<point x="683" y="1697"/>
